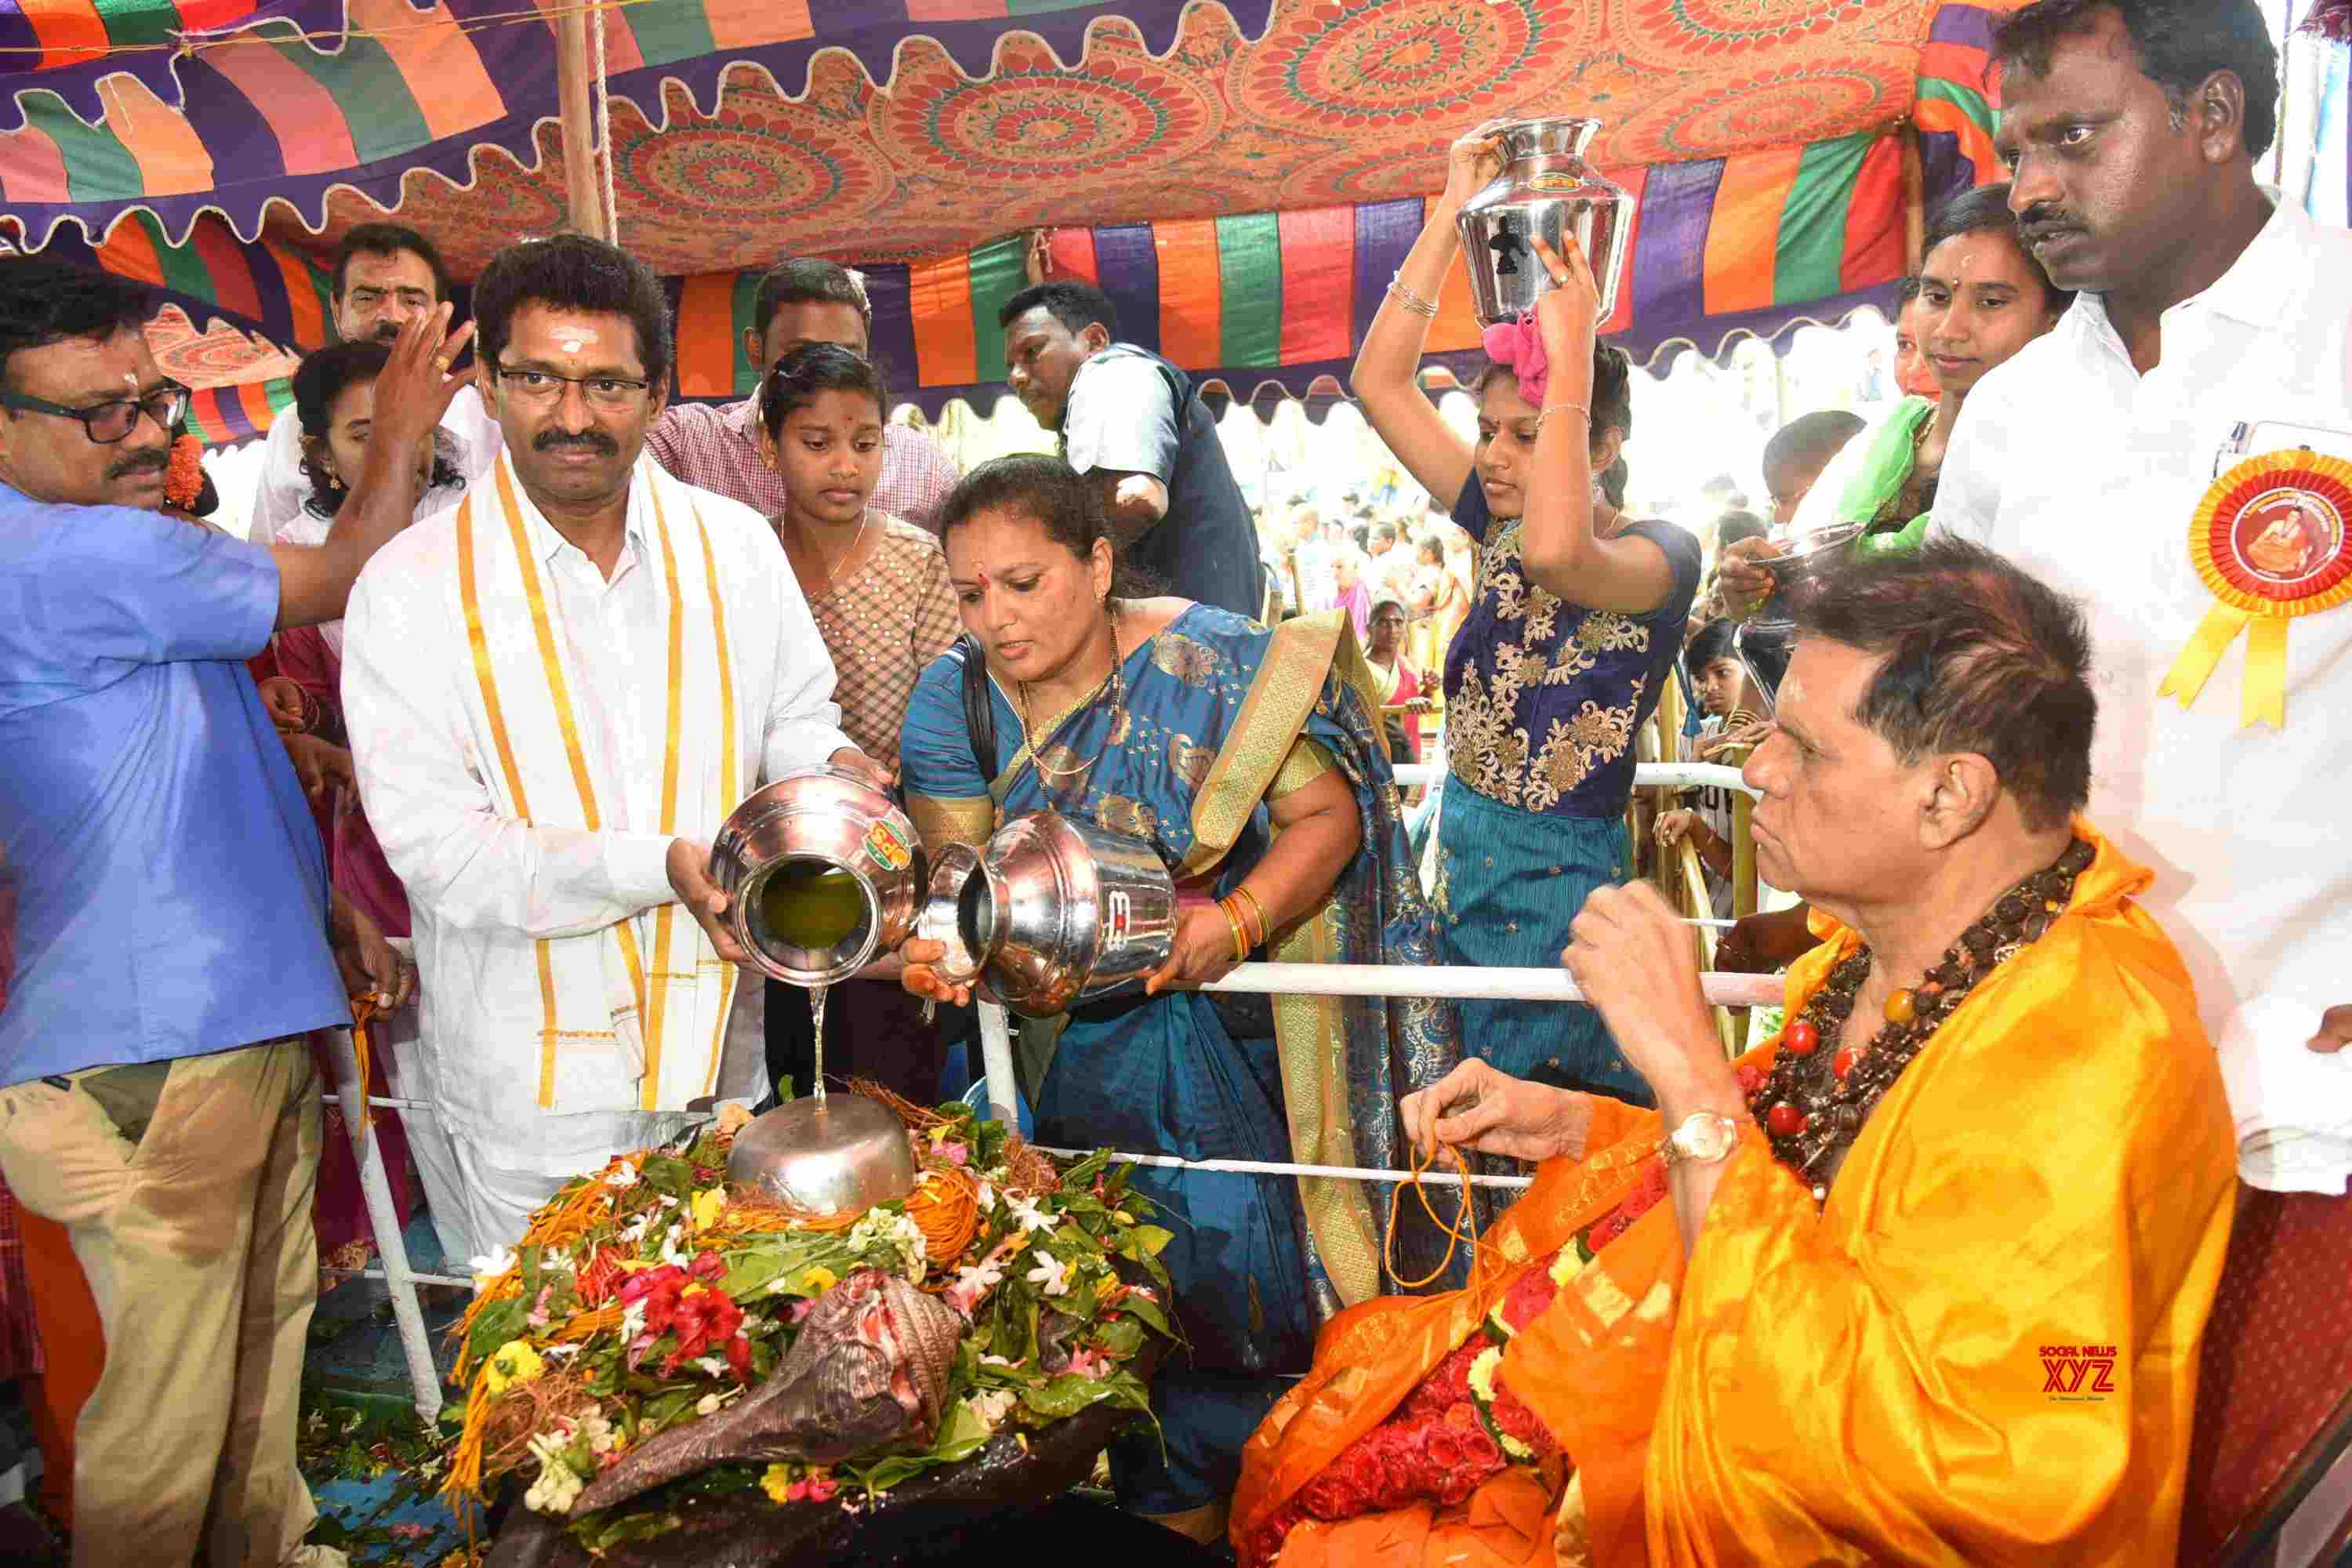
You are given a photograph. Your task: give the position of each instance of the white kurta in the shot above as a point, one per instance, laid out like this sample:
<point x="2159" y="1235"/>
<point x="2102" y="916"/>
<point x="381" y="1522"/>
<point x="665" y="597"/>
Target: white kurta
<point x="487" y="890"/>
<point x="280" y="492"/>
<point x="2086" y="473"/>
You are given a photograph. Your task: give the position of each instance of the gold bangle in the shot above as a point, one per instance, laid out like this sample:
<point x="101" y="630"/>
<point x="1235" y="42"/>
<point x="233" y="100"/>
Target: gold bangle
<point x="1264" y="926"/>
<point x="1409" y="299"/>
<point x="1241" y="938"/>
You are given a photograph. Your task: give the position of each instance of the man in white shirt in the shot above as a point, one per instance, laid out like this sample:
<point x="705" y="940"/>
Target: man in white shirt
<point x="2213" y="328"/>
<point x="384" y="277"/>
<point x="557" y="691"/>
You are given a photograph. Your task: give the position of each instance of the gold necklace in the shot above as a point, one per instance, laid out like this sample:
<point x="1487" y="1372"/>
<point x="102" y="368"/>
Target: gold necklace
<point x="1046" y="774"/>
<point x="865" y="522"/>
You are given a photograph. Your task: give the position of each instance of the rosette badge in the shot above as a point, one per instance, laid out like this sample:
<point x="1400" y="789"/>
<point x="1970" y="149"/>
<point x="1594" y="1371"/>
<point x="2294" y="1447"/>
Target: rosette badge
<point x="822" y="871"/>
<point x="2271" y="542"/>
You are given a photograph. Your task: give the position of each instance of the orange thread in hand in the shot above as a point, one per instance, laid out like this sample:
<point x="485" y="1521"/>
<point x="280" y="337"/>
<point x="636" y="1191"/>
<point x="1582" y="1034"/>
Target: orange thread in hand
<point x="1460" y="1229"/>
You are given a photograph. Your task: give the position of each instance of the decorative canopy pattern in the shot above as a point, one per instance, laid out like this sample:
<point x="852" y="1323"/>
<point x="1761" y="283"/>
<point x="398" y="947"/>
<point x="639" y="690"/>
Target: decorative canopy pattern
<point x="915" y="126"/>
<point x="1240" y="176"/>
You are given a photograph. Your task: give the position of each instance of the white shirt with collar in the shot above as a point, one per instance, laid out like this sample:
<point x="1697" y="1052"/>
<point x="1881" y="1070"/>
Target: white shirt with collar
<point x="2085" y="473"/>
<point x="282" y="488"/>
<point x="482" y="887"/>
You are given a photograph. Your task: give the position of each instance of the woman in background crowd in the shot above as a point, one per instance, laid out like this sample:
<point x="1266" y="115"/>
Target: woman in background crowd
<point x="877" y="587"/>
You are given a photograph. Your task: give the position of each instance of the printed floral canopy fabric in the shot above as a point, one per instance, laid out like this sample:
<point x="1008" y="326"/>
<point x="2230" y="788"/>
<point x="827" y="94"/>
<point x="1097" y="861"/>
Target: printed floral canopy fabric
<point x="906" y="132"/>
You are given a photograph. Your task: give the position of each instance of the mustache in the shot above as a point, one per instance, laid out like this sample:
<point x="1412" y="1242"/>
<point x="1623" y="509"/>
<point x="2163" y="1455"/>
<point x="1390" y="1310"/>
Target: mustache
<point x="590" y="440"/>
<point x="387" y="332"/>
<point x="2043" y="221"/>
<point x="153" y="460"/>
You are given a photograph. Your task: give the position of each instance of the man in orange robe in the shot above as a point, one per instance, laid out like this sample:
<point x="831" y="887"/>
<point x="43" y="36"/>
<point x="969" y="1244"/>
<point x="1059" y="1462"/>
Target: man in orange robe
<point x="1970" y="1334"/>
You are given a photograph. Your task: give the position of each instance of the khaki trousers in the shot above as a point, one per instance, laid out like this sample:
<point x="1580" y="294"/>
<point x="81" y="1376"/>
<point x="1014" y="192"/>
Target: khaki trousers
<point x="187" y="1188"/>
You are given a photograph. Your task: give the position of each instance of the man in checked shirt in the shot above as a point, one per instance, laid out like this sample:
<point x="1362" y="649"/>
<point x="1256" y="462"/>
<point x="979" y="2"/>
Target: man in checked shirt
<point x="717" y="448"/>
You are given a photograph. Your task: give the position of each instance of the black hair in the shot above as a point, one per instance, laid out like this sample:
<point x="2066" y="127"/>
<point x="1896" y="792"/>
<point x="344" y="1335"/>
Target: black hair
<point x="1976" y="655"/>
<point x="809" y="280"/>
<point x="44" y="301"/>
<point x="1392" y="603"/>
<point x="2181" y="43"/>
<point x="1076" y="306"/>
<point x="1811" y="439"/>
<point x="1384" y="530"/>
<point x="1432" y="544"/>
<point x="809" y="369"/>
<point x="1053" y="495"/>
<point x="1912" y="286"/>
<point x="321" y="379"/>
<point x="389" y="239"/>
<point x="571" y="271"/>
<point x="1710" y="642"/>
<point x="1612" y="397"/>
<point x="1985" y="210"/>
<point x="1734" y="526"/>
<point x="1614" y="480"/>
<point x="1361" y="536"/>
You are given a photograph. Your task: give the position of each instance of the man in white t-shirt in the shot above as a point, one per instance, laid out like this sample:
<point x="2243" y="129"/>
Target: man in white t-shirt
<point x="2212" y="341"/>
<point x="384" y="277"/>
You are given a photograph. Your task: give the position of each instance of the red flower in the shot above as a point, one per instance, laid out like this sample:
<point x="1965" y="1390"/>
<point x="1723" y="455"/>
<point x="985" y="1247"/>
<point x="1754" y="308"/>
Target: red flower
<point x="1516" y="1419"/>
<point x="709" y="1267"/>
<point x="1481" y="1452"/>
<point x="1752" y="1078"/>
<point x="1450" y="1384"/>
<point x="1533" y="1291"/>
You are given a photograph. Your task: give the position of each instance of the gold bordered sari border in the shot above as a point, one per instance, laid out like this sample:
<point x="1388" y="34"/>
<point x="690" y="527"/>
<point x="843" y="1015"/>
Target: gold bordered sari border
<point x="656" y="996"/>
<point x="941" y="822"/>
<point x="731" y="789"/>
<point x="1273" y="714"/>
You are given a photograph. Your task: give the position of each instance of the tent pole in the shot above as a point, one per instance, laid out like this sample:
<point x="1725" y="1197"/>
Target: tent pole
<point x="1915" y="200"/>
<point x="573" y="76"/>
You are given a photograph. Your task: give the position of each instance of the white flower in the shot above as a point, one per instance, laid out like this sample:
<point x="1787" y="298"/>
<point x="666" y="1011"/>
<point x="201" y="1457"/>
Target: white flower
<point x="896" y="1231"/>
<point x="709" y="1402"/>
<point x="1025" y="1210"/>
<point x="1052" y="1275"/>
<point x="635" y="1231"/>
<point x="751" y="1327"/>
<point x="490" y="1269"/>
<point x="993" y="1406"/>
<point x="712" y="1367"/>
<point x="668" y="1202"/>
<point x="623" y="1177"/>
<point x="632" y="1320"/>
<point x="997" y="1360"/>
<point x="1482" y="1374"/>
<point x="987" y="1197"/>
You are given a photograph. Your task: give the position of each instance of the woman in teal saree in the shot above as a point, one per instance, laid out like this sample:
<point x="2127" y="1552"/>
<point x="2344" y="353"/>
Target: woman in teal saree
<point x="1251" y="760"/>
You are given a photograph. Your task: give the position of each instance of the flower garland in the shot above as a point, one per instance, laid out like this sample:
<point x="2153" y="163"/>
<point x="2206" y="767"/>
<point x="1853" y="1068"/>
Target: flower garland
<point x="1460" y="1426"/>
<point x="650" y="1295"/>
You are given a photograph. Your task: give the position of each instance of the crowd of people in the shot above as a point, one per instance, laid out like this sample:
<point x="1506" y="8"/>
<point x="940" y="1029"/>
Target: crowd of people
<point x="451" y="733"/>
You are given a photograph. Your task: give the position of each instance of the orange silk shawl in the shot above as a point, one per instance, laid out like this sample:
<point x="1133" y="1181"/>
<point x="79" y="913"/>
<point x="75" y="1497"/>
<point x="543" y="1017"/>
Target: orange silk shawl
<point x="2054" y="1173"/>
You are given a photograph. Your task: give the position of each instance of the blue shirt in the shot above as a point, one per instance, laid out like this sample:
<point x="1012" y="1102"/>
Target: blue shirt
<point x="1543" y="697"/>
<point x="171" y="890"/>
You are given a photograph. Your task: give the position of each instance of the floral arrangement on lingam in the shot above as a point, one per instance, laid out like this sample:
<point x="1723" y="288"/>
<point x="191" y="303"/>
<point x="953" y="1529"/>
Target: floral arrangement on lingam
<point x="660" y="1332"/>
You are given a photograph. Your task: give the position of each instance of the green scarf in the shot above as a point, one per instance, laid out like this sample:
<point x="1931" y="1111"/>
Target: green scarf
<point x="1884" y="472"/>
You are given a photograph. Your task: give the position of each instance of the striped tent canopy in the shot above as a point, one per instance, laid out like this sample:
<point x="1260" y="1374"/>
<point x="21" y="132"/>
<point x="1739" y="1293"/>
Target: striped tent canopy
<point x="216" y="148"/>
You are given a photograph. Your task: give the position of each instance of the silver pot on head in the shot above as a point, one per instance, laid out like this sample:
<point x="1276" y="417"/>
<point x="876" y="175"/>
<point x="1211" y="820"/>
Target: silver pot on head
<point x="1545" y="190"/>
<point x="821" y="872"/>
<point x="1053" y="912"/>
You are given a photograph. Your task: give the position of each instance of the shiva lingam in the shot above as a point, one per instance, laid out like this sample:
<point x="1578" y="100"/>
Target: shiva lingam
<point x="1546" y="191"/>
<point x="821" y="871"/>
<point x="1053" y="912"/>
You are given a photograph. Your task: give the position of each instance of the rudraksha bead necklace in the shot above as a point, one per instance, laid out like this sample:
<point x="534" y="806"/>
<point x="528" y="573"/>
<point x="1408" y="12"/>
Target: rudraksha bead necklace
<point x="1809" y="1106"/>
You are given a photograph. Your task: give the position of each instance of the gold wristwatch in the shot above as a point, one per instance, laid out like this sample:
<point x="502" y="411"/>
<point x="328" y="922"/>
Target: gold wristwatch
<point x="1705" y="1138"/>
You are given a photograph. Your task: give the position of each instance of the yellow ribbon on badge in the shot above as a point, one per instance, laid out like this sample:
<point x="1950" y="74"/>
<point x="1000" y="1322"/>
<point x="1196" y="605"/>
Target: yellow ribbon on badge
<point x="2299" y="564"/>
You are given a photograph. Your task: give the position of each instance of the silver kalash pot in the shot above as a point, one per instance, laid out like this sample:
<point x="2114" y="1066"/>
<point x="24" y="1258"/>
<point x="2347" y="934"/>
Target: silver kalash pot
<point x="822" y="871"/>
<point x="840" y="1154"/>
<point x="1545" y="190"/>
<point x="1052" y="914"/>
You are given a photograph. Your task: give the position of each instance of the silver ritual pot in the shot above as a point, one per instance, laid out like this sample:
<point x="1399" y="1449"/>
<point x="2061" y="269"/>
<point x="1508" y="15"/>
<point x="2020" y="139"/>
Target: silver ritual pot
<point x="1055" y="912"/>
<point x="821" y="871"/>
<point x="1545" y="190"/>
<point x="835" y="1155"/>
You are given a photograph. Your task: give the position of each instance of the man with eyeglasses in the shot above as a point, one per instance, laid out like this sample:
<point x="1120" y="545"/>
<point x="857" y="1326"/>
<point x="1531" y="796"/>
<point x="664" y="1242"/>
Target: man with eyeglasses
<point x="556" y="691"/>
<point x="176" y="932"/>
<point x="385" y="276"/>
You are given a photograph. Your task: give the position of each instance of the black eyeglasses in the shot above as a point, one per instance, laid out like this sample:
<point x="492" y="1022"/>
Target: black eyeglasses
<point x="611" y="392"/>
<point x="113" y="420"/>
